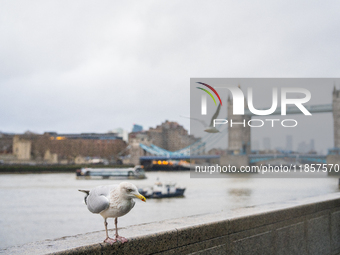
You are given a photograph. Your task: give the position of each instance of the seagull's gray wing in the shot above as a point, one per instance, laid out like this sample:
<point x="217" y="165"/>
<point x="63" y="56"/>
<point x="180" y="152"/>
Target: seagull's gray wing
<point x="215" y="115"/>
<point x="202" y="121"/>
<point x="98" y="199"/>
<point x="132" y="203"/>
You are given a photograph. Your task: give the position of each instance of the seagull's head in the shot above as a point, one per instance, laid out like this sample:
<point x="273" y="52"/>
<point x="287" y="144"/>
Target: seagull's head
<point x="130" y="191"/>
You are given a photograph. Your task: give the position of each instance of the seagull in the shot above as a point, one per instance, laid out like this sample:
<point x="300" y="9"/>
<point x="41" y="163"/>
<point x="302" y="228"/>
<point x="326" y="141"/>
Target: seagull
<point x="211" y="128"/>
<point x="112" y="201"/>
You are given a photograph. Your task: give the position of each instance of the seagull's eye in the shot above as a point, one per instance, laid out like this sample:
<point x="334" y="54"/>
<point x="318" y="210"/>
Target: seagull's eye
<point x="129" y="190"/>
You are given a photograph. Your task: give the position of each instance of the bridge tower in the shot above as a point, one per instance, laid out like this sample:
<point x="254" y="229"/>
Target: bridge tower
<point x="336" y="117"/>
<point x="238" y="131"/>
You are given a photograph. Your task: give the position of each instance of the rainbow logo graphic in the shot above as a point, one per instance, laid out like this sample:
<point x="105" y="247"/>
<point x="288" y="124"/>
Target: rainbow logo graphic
<point x="213" y="90"/>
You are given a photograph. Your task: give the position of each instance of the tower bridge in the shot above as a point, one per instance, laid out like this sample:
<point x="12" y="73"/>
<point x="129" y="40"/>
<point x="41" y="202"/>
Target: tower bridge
<point x="239" y="138"/>
<point x="239" y="142"/>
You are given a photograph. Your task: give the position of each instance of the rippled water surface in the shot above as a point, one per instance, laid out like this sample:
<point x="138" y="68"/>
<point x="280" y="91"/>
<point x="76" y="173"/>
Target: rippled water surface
<point x="35" y="207"/>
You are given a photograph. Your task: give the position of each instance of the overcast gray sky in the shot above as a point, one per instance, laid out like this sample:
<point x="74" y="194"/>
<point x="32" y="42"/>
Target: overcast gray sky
<point x="91" y="66"/>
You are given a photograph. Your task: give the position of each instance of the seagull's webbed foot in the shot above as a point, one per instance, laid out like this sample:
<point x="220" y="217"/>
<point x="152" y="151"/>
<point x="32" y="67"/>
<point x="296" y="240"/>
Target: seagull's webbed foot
<point x="110" y="240"/>
<point x="120" y="238"/>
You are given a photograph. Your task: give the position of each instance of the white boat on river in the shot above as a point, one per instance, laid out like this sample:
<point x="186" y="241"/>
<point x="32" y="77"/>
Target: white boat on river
<point x="117" y="173"/>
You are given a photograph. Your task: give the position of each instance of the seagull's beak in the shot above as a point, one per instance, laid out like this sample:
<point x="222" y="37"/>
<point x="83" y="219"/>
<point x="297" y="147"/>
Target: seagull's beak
<point x="140" y="197"/>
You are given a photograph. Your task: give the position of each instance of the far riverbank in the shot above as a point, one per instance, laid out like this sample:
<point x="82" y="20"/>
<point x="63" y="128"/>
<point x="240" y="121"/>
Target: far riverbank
<point x="31" y="169"/>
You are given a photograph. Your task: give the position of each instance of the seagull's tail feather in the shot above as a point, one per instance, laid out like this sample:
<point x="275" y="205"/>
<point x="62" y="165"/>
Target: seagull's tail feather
<point x="87" y="192"/>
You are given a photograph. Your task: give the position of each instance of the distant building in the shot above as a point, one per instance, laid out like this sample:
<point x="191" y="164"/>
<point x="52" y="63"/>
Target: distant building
<point x="137" y="128"/>
<point x="121" y="133"/>
<point x="311" y="145"/>
<point x="239" y="136"/>
<point x="85" y="136"/>
<point x="289" y="142"/>
<point x="336" y="116"/>
<point x="6" y="143"/>
<point x="71" y="146"/>
<point x="51" y="158"/>
<point x="135" y="150"/>
<point x="279" y="148"/>
<point x="266" y="143"/>
<point x="217" y="151"/>
<point x="52" y="147"/>
<point x="169" y="135"/>
<point x="21" y="148"/>
<point x="303" y="147"/>
<point x="255" y="145"/>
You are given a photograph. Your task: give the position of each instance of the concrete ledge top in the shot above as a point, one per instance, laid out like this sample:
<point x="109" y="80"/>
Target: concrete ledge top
<point x="175" y="232"/>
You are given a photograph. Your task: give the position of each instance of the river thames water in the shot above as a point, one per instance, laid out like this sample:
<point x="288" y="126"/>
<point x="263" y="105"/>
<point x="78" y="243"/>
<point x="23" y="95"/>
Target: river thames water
<point x="36" y="207"/>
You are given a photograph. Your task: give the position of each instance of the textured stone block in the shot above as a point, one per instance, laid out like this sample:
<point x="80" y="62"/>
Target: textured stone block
<point x="260" y="244"/>
<point x="318" y="235"/>
<point x="95" y="249"/>
<point x="291" y="240"/>
<point x="247" y="222"/>
<point x="221" y="249"/>
<point x="151" y="243"/>
<point x="217" y="244"/>
<point x="198" y="233"/>
<point x="335" y="230"/>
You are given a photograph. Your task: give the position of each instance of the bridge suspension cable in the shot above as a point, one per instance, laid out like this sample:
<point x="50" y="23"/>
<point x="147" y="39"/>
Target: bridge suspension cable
<point x="191" y="149"/>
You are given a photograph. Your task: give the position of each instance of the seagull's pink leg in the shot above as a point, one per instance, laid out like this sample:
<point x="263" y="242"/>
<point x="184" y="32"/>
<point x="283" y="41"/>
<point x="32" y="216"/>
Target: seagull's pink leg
<point x="119" y="238"/>
<point x="108" y="239"/>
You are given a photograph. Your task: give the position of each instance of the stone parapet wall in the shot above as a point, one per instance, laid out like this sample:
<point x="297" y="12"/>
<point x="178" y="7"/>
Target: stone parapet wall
<point x="308" y="226"/>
